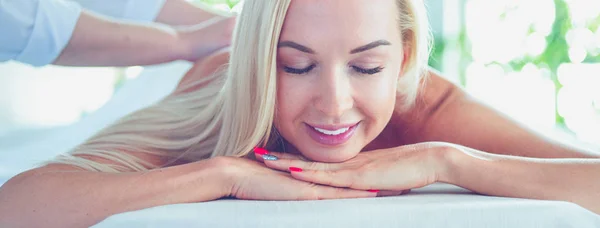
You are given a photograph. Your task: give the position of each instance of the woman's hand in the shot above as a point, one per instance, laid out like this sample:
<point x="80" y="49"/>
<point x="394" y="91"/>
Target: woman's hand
<point x="393" y="169"/>
<point x="252" y="180"/>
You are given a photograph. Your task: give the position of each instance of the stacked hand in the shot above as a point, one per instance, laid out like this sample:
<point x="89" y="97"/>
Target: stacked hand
<point x="252" y="180"/>
<point x="385" y="172"/>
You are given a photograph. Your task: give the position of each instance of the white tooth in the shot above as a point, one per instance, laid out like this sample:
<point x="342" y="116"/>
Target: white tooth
<point x="328" y="132"/>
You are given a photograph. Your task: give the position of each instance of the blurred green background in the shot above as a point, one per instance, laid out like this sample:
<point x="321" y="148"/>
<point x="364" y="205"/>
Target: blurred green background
<point x="536" y="60"/>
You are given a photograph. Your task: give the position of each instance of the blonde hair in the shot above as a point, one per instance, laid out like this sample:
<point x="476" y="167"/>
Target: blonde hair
<point x="234" y="110"/>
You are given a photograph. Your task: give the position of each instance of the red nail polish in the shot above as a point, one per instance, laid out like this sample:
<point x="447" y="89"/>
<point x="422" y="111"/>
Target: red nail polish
<point x="295" y="169"/>
<point x="373" y="190"/>
<point x="260" y="151"/>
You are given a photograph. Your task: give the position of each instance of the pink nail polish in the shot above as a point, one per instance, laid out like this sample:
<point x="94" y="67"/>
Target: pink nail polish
<point x="260" y="151"/>
<point x="295" y="169"/>
<point x="373" y="190"/>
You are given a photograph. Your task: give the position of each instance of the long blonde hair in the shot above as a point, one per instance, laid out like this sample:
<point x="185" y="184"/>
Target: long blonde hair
<point x="233" y="112"/>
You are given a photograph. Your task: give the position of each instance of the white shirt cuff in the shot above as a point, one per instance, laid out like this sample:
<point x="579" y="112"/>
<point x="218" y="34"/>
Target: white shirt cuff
<point x="54" y="25"/>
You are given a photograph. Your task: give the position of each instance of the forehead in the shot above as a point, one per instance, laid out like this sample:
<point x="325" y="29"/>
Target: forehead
<point x="370" y="19"/>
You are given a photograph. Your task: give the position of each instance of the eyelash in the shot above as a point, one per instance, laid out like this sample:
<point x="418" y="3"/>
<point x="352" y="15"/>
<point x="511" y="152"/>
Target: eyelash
<point x="311" y="67"/>
<point x="367" y="71"/>
<point x="299" y="71"/>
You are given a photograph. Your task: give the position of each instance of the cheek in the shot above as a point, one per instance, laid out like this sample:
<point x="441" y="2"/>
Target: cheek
<point x="289" y="102"/>
<point x="378" y="97"/>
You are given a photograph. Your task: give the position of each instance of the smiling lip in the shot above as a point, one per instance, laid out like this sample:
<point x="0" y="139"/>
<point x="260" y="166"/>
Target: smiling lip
<point x="332" y="127"/>
<point x="331" y="140"/>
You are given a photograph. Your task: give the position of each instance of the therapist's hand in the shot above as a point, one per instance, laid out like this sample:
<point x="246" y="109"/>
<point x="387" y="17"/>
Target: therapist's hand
<point x="198" y="41"/>
<point x="102" y="41"/>
<point x="252" y="180"/>
<point x="394" y="169"/>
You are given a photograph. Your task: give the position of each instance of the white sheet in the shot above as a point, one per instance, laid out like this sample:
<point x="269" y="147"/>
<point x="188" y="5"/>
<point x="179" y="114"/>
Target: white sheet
<point x="435" y="206"/>
<point x="22" y="151"/>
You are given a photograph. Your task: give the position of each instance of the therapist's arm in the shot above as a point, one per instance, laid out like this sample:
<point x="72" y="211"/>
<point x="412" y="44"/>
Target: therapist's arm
<point x="181" y="12"/>
<point x="102" y="41"/>
<point x="170" y="12"/>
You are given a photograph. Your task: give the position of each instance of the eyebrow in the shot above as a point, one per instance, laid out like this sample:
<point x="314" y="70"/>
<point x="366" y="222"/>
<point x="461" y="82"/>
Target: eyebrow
<point x="370" y="46"/>
<point x="302" y="48"/>
<point x="296" y="46"/>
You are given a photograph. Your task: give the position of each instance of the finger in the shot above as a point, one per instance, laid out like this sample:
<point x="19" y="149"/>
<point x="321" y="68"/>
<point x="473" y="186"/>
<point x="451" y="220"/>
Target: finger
<point x="319" y="192"/>
<point x="285" y="164"/>
<point x="261" y="157"/>
<point x="282" y="161"/>
<point x="287" y="156"/>
<point x="259" y="154"/>
<point x="335" y="178"/>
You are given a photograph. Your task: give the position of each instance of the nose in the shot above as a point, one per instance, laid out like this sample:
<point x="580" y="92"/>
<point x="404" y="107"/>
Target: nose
<point x="335" y="95"/>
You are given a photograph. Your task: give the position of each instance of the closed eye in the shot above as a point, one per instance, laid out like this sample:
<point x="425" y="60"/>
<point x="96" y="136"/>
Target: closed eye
<point x="292" y="70"/>
<point x="367" y="71"/>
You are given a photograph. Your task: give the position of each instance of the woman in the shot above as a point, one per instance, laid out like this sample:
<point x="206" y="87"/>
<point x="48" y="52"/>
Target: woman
<point x="337" y="95"/>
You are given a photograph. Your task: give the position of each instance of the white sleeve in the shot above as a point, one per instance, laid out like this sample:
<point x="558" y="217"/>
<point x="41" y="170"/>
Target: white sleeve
<point x="135" y="10"/>
<point x="36" y="31"/>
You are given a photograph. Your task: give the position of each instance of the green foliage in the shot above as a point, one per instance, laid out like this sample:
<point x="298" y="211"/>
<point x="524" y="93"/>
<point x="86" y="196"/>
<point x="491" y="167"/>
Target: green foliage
<point x="557" y="49"/>
<point x="435" y="59"/>
<point x="555" y="54"/>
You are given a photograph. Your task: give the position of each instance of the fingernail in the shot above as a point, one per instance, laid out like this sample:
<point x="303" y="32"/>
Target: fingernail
<point x="270" y="157"/>
<point x="373" y="190"/>
<point x="295" y="169"/>
<point x="260" y="151"/>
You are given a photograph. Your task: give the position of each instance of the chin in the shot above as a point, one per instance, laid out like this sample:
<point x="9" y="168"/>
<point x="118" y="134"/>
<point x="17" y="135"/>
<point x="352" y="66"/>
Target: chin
<point x="331" y="155"/>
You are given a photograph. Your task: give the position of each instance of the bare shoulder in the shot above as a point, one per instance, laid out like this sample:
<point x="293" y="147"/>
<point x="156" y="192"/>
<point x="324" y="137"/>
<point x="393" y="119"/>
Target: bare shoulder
<point x="203" y="68"/>
<point x="436" y="90"/>
<point x="435" y="94"/>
